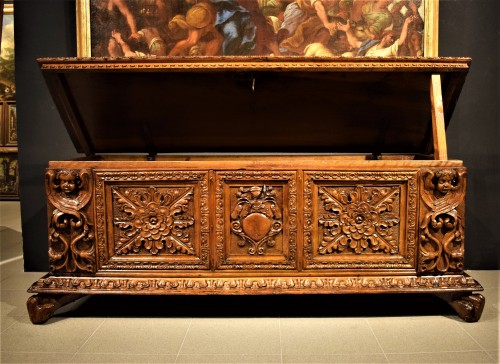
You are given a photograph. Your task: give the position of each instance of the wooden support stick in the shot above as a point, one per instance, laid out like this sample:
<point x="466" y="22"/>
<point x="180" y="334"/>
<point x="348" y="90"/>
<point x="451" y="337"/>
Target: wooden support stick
<point x="438" y="128"/>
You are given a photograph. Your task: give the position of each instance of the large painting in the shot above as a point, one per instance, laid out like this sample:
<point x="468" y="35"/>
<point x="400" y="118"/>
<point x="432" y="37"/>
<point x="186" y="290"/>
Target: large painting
<point x="311" y="28"/>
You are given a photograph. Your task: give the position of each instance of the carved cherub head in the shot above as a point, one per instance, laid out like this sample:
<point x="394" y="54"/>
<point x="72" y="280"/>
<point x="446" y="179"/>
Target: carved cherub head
<point x="68" y="182"/>
<point x="446" y="181"/>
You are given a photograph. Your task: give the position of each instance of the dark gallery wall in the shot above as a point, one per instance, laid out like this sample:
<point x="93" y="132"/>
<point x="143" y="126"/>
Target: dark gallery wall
<point x="42" y="29"/>
<point x="472" y="28"/>
<point x="467" y="28"/>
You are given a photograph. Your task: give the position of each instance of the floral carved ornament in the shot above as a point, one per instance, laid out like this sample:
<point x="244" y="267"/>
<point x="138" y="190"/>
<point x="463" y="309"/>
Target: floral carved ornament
<point x="153" y="220"/>
<point x="358" y="219"/>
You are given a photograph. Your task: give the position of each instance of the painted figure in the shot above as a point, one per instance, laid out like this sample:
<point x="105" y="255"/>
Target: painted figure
<point x="110" y="15"/>
<point x="196" y="31"/>
<point x="234" y="22"/>
<point x="384" y="47"/>
<point x="314" y="24"/>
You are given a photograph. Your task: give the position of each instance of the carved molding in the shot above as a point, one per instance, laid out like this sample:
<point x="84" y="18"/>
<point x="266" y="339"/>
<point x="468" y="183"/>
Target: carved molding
<point x="254" y="63"/>
<point x="192" y="181"/>
<point x="71" y="236"/>
<point x="100" y="214"/>
<point x="369" y="197"/>
<point x="257" y="285"/>
<point x="264" y="205"/>
<point x="441" y="244"/>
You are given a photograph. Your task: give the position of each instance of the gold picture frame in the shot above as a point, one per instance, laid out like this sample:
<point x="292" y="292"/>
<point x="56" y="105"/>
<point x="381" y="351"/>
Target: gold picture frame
<point x="89" y="34"/>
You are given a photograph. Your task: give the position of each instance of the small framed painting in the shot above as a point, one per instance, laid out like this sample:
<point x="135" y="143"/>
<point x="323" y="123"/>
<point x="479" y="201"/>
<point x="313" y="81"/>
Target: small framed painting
<point x="302" y="28"/>
<point x="7" y="68"/>
<point x="9" y="176"/>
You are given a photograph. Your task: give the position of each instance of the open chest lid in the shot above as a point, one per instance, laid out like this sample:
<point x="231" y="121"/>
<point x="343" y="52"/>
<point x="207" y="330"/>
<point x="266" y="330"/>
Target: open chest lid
<point x="267" y="105"/>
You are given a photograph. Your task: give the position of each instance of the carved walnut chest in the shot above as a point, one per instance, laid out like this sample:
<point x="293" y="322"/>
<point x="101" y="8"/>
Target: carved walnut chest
<point x="256" y="176"/>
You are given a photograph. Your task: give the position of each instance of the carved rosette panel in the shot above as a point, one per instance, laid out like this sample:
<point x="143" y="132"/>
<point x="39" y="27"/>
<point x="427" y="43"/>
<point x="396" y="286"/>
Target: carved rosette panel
<point x="153" y="220"/>
<point x="360" y="220"/>
<point x="256" y="215"/>
<point x="159" y="220"/>
<point x="71" y="234"/>
<point x="441" y="234"/>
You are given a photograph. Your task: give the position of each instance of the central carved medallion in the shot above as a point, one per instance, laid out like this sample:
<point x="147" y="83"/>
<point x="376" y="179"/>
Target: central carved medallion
<point x="257" y="226"/>
<point x="153" y="220"/>
<point x="256" y="218"/>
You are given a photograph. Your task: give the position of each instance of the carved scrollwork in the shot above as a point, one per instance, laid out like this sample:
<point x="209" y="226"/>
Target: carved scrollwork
<point x="359" y="219"/>
<point x="153" y="220"/>
<point x="442" y="226"/>
<point x="256" y="218"/>
<point x="71" y="237"/>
